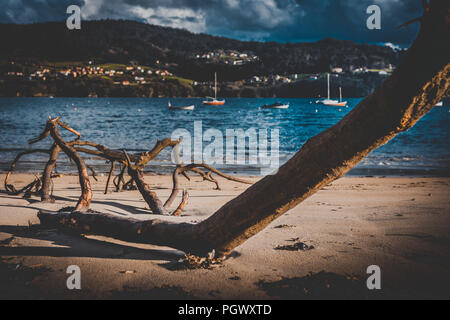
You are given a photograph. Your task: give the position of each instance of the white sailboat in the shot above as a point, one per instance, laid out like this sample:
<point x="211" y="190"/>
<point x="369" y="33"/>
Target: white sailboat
<point x="328" y="101"/>
<point x="214" y="101"/>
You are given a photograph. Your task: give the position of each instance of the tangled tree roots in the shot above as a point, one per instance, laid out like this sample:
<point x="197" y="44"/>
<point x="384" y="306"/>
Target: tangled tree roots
<point x="132" y="164"/>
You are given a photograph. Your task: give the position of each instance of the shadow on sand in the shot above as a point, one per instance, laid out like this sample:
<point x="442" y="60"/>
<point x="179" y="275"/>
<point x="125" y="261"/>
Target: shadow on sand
<point x="78" y="246"/>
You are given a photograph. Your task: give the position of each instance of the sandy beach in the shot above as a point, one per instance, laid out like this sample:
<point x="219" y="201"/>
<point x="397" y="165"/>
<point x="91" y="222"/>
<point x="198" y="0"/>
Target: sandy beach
<point x="400" y="224"/>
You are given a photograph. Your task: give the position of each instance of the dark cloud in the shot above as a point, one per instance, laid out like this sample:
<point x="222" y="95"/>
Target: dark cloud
<point x="279" y="20"/>
<point x="31" y="11"/>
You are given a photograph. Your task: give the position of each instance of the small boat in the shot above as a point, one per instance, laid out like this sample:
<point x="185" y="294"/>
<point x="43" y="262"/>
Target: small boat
<point x="214" y="101"/>
<point x="186" y="108"/>
<point x="329" y="102"/>
<point x="276" y="106"/>
<point x="440" y="104"/>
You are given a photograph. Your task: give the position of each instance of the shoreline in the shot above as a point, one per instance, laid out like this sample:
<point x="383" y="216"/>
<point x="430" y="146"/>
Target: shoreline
<point x="355" y="173"/>
<point x="401" y="224"/>
<point x="163" y="98"/>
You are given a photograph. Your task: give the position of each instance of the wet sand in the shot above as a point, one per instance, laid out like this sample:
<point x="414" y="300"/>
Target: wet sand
<point x="400" y="224"/>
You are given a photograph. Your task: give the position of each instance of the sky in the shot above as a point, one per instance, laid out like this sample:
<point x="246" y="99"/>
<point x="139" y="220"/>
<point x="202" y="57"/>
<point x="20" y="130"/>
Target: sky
<point x="260" y="20"/>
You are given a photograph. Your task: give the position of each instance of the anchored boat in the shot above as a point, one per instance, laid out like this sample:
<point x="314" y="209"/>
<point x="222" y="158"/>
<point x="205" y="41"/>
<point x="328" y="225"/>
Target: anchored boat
<point x="328" y="101"/>
<point x="186" y="108"/>
<point x="214" y="101"/>
<point x="276" y="106"/>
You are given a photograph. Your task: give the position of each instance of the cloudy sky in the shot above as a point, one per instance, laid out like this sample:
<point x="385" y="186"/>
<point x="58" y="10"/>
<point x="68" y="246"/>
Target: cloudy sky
<point x="265" y="20"/>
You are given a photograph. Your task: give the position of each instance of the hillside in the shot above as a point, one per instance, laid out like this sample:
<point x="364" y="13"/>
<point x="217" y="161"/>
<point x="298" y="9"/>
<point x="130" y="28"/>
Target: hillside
<point x="122" y="41"/>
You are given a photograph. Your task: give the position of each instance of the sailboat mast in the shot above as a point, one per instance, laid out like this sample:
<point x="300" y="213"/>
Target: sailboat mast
<point x="340" y="93"/>
<point x="215" y="85"/>
<point x="329" y="94"/>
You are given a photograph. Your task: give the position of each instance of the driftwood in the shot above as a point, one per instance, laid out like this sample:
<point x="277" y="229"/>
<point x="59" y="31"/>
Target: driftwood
<point x="47" y="175"/>
<point x="206" y="175"/>
<point x="86" y="190"/>
<point x="11" y="189"/>
<point x="133" y="164"/>
<point x="149" y="196"/>
<point x="414" y="88"/>
<point x="100" y="151"/>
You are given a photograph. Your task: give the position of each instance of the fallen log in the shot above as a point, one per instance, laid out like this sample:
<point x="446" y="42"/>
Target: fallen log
<point x="155" y="231"/>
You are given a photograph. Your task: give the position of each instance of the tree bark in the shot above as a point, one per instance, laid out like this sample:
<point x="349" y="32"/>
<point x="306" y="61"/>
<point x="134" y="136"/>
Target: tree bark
<point x="140" y="159"/>
<point x="414" y="89"/>
<point x="86" y="191"/>
<point x="47" y="176"/>
<point x="149" y="196"/>
<point x="111" y="171"/>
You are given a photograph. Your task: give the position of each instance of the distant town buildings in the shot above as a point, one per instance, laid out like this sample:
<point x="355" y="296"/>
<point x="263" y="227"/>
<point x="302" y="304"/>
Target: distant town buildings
<point x="230" y="57"/>
<point x="135" y="74"/>
<point x="120" y="74"/>
<point x="337" y="70"/>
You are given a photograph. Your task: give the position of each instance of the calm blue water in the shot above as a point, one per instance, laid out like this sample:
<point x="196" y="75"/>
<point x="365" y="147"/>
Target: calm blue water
<point x="136" y="124"/>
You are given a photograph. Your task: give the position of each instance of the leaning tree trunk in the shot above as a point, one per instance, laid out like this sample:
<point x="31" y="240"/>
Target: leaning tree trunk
<point x="414" y="88"/>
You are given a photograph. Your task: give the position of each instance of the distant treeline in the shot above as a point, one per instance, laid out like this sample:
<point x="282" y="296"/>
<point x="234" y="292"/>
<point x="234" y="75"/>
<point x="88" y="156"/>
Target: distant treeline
<point x="121" y="41"/>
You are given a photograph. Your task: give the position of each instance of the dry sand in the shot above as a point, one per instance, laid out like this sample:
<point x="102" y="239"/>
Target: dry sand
<point x="399" y="224"/>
